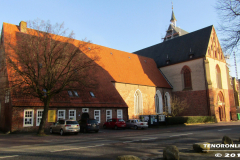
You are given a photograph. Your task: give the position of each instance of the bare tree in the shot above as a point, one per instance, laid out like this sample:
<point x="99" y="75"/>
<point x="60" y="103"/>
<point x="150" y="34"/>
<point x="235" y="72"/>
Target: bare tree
<point x="229" y="14"/>
<point x="42" y="63"/>
<point x="177" y="106"/>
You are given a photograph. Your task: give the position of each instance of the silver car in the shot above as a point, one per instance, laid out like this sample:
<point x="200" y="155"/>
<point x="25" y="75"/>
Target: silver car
<point x="136" y="123"/>
<point x="65" y="126"/>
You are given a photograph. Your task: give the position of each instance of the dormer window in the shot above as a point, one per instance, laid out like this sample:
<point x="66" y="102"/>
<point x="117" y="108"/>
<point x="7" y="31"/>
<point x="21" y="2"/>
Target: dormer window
<point x="91" y="93"/>
<point x="191" y="55"/>
<point x="70" y="93"/>
<point x="167" y="61"/>
<point x="75" y="94"/>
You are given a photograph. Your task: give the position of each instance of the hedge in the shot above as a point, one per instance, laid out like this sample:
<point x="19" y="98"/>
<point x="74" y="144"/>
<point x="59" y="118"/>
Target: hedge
<point x="189" y="119"/>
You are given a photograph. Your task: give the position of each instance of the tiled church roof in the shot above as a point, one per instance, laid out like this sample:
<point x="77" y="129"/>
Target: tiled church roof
<point x="114" y="66"/>
<point x="178" y="49"/>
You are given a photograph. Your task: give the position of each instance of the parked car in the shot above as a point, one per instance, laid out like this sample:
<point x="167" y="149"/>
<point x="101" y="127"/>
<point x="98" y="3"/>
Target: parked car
<point x="65" y="126"/>
<point x="115" y="123"/>
<point x="136" y="123"/>
<point x="87" y="125"/>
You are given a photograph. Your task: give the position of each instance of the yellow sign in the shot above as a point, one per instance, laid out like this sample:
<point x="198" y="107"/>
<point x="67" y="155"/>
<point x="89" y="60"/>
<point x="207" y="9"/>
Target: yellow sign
<point x="51" y="115"/>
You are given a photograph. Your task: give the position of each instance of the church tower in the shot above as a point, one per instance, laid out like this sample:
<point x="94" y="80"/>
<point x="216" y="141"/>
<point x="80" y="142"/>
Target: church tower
<point x="173" y="31"/>
<point x="173" y="19"/>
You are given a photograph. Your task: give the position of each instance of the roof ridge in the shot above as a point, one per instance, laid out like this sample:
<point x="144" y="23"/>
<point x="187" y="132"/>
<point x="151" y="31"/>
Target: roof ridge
<point x="175" y="38"/>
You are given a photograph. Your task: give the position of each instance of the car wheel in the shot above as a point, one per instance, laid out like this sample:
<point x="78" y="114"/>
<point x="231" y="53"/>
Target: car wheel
<point x="76" y="133"/>
<point x="115" y="127"/>
<point x="135" y="127"/>
<point x="96" y="131"/>
<point x="85" y="130"/>
<point x="104" y="126"/>
<point x="61" y="132"/>
<point x="51" y="131"/>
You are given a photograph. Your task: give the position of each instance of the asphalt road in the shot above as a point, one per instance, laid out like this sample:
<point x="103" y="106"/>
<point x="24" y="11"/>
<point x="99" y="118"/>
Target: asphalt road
<point x="108" y="143"/>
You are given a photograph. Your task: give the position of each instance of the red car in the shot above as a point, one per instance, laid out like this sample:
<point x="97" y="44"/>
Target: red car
<point x="115" y="123"/>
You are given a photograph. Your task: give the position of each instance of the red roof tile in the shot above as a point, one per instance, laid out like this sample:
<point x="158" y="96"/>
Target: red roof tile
<point x="114" y="65"/>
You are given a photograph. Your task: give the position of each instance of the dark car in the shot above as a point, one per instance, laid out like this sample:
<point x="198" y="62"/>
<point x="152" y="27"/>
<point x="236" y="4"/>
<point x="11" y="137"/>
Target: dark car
<point x="115" y="123"/>
<point x="87" y="125"/>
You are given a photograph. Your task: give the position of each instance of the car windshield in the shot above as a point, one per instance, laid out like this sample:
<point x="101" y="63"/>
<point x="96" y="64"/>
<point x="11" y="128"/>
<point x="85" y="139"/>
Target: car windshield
<point x="92" y="121"/>
<point x="121" y="120"/>
<point x="72" y="122"/>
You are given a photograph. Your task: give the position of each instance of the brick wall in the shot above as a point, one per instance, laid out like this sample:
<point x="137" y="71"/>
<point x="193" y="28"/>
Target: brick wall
<point x="197" y="101"/>
<point x="18" y="114"/>
<point x="148" y="93"/>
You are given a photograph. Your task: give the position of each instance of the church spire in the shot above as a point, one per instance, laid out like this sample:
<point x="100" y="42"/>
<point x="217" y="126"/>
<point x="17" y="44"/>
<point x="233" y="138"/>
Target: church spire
<point x="173" y="19"/>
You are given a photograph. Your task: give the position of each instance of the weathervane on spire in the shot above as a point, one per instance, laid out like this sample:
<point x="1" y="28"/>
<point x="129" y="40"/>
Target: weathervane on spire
<point x="172" y="5"/>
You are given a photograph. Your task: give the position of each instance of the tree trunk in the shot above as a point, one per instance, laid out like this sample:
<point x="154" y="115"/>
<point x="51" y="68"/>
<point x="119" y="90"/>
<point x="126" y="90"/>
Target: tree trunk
<point x="44" y="117"/>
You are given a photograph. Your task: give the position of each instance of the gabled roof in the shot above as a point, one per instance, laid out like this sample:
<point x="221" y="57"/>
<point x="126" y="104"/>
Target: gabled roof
<point x="114" y="66"/>
<point x="131" y="68"/>
<point x="178" y="49"/>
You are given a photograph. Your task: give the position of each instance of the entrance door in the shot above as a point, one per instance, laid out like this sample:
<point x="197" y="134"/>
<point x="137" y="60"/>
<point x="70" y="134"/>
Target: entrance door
<point x="220" y="113"/>
<point x="85" y="116"/>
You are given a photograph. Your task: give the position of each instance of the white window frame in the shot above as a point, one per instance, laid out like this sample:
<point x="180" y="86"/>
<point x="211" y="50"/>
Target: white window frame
<point x="38" y="117"/>
<point x="121" y="116"/>
<point x="72" y="117"/>
<point x="99" y="111"/>
<point x="32" y="118"/>
<point x="108" y="116"/>
<point x="63" y="114"/>
<point x="85" y="110"/>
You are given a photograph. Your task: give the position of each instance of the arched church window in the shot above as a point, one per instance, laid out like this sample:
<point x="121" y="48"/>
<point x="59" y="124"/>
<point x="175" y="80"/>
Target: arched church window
<point x="186" y="73"/>
<point x="138" y="102"/>
<point x="167" y="103"/>
<point x="158" y="102"/>
<point x="218" y="77"/>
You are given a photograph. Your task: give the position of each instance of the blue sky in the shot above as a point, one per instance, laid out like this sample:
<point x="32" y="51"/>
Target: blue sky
<point x="127" y="25"/>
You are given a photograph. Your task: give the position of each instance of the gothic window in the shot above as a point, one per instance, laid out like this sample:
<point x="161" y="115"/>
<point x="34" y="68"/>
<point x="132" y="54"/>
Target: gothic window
<point x="138" y="102"/>
<point x="158" y="102"/>
<point x="218" y="77"/>
<point x="186" y="73"/>
<point x="167" y="102"/>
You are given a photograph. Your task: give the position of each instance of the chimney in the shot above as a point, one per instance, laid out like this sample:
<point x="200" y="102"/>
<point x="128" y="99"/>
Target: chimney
<point x="23" y="27"/>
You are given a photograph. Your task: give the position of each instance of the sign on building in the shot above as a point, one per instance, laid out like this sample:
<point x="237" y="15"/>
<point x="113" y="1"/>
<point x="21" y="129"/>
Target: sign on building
<point x="51" y="115"/>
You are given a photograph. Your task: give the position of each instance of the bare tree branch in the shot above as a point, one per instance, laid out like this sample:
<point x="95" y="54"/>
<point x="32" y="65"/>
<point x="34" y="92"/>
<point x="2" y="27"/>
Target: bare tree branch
<point x="229" y="14"/>
<point x="43" y="63"/>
